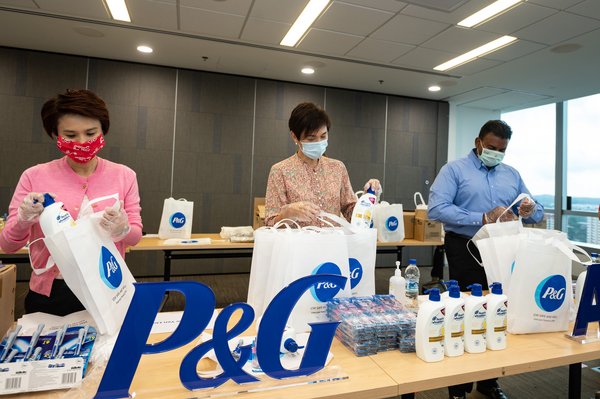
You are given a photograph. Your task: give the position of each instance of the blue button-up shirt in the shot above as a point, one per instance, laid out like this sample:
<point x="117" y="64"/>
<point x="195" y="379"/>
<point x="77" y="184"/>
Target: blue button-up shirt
<point x="465" y="189"/>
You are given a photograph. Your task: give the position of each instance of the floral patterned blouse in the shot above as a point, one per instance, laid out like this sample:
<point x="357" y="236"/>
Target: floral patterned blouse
<point x="293" y="180"/>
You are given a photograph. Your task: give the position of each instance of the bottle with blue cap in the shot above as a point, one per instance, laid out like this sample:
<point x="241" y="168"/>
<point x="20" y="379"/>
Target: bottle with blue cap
<point x="581" y="280"/>
<point x="454" y="324"/>
<point x="475" y="320"/>
<point x="53" y="218"/>
<point x="429" y="334"/>
<point x="362" y="215"/>
<point x="497" y="305"/>
<point x="448" y="284"/>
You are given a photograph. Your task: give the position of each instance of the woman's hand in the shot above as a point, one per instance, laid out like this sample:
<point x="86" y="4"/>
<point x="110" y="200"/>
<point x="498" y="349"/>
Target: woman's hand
<point x="31" y="208"/>
<point x="301" y="211"/>
<point x="375" y="186"/>
<point x="115" y="222"/>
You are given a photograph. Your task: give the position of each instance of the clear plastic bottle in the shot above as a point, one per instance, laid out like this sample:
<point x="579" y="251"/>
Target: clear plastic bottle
<point x="398" y="284"/>
<point x="581" y="280"/>
<point x="411" y="274"/>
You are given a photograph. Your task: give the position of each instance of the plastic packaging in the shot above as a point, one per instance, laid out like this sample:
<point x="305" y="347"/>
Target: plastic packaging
<point x="362" y="215"/>
<point x="412" y="275"/>
<point x="429" y="337"/>
<point x="581" y="281"/>
<point x="398" y="284"/>
<point x="497" y="304"/>
<point x="454" y="323"/>
<point x="475" y="320"/>
<point x="53" y="218"/>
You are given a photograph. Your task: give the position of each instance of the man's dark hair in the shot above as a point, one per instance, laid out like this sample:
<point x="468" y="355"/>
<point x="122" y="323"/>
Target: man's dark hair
<point x="498" y="128"/>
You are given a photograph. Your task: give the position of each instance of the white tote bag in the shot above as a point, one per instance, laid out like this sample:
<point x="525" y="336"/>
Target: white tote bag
<point x="389" y="222"/>
<point x="176" y="219"/>
<point x="540" y="298"/>
<point x="94" y="269"/>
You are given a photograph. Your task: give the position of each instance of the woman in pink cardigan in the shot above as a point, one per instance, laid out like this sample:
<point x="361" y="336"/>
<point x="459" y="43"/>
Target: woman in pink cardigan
<point x="78" y="120"/>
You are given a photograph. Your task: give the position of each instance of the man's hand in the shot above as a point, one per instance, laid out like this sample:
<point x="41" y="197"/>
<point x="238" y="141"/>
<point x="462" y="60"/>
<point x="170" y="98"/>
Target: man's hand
<point x="526" y="208"/>
<point x="499" y="213"/>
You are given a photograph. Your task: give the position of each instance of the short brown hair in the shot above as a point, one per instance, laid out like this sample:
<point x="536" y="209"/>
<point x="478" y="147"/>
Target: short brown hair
<point x="77" y="102"/>
<point x="307" y="118"/>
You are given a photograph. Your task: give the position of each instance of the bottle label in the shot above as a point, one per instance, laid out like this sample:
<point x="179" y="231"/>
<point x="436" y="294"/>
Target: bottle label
<point x="499" y="322"/>
<point x="436" y="332"/>
<point x="478" y="323"/>
<point x="457" y="323"/>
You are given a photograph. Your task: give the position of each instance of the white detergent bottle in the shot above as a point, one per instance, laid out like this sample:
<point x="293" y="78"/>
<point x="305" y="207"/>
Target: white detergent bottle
<point x="53" y="218"/>
<point x="398" y="284"/>
<point x="497" y="304"/>
<point x="581" y="281"/>
<point x="362" y="214"/>
<point x="475" y="320"/>
<point x="429" y="335"/>
<point x="454" y="323"/>
<point x="449" y="284"/>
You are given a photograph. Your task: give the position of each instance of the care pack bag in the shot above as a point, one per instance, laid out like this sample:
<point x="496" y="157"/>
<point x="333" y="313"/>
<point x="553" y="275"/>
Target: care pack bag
<point x="176" y="219"/>
<point x="93" y="269"/>
<point x="389" y="222"/>
<point x="541" y="298"/>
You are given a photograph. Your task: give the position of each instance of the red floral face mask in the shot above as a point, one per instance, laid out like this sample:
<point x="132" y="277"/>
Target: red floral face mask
<point x="80" y="152"/>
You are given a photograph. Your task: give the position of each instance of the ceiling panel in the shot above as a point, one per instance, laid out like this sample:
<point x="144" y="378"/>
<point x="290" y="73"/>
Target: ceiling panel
<point x="273" y="11"/>
<point x="379" y="50"/>
<point x="348" y="18"/>
<point x="514" y="50"/>
<point x="473" y="67"/>
<point x="262" y="31"/>
<point x="589" y="8"/>
<point x="237" y="7"/>
<point x="475" y="94"/>
<point x="154" y="13"/>
<point x="557" y="4"/>
<point x="506" y="100"/>
<point x="19" y="3"/>
<point x="386" y="5"/>
<point x="547" y="31"/>
<point x="408" y="30"/>
<point x="81" y="8"/>
<point x="210" y="23"/>
<point x="424" y="58"/>
<point x="328" y="42"/>
<point x="517" y="18"/>
<point x="459" y="40"/>
<point x="447" y="17"/>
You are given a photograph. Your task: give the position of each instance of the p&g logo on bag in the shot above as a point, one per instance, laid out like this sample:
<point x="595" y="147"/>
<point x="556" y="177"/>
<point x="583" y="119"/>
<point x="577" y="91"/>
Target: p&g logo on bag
<point x="550" y="293"/>
<point x="356" y="272"/>
<point x="391" y="223"/>
<point x="177" y="220"/>
<point x="323" y="292"/>
<point x="110" y="270"/>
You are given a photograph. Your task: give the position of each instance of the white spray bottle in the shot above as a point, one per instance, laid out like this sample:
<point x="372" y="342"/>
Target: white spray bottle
<point x="398" y="284"/>
<point x="362" y="214"/>
<point x="475" y="320"/>
<point x="497" y="304"/>
<point x="429" y="335"/>
<point x="454" y="324"/>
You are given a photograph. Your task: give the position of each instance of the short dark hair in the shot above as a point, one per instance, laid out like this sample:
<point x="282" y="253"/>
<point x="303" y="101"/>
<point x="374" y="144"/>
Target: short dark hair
<point x="307" y="118"/>
<point x="74" y="102"/>
<point x="497" y="127"/>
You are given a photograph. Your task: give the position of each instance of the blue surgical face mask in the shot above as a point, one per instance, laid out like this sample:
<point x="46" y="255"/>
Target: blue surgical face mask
<point x="314" y="149"/>
<point x="491" y="158"/>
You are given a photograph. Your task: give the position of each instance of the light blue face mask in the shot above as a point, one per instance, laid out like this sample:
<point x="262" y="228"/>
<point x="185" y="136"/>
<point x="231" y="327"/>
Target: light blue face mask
<point x="491" y="158"/>
<point x="314" y="150"/>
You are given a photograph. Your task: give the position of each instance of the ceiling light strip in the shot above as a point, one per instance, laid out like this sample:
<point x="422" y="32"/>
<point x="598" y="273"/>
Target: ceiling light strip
<point x="488" y="13"/>
<point x="478" y="52"/>
<point x="312" y="10"/>
<point x="118" y="10"/>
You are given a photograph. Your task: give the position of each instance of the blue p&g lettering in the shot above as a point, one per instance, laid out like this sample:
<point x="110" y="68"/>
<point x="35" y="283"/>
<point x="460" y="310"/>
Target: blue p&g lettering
<point x="177" y="220"/>
<point x="356" y="272"/>
<point x="110" y="270"/>
<point x="550" y="293"/>
<point x="391" y="223"/>
<point x="325" y="290"/>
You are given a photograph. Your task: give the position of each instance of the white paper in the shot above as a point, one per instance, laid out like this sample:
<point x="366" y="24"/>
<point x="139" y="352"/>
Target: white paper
<point x="29" y="322"/>
<point x="167" y="322"/>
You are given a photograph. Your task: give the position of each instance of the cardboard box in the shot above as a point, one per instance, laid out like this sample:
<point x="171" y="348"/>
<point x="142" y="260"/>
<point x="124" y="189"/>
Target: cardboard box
<point x="8" y="283"/>
<point x="258" y="213"/>
<point x="409" y="224"/>
<point x="427" y="230"/>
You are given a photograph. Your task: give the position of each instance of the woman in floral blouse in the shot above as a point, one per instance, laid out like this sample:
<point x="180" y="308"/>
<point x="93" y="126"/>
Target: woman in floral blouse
<point x="307" y="183"/>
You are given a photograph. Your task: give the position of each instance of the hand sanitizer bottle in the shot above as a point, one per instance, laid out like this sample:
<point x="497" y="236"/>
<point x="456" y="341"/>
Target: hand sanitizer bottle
<point x="398" y="284"/>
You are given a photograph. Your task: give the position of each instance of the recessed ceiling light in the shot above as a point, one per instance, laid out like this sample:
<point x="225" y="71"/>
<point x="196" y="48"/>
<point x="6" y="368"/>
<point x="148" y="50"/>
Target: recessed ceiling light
<point x="434" y="88"/>
<point x="118" y="10"/>
<point x="308" y="70"/>
<point x="488" y="13"/>
<point x="144" y="49"/>
<point x="313" y="9"/>
<point x="479" y="51"/>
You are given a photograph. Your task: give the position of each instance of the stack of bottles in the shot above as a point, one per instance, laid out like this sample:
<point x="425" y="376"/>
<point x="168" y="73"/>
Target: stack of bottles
<point x="373" y="324"/>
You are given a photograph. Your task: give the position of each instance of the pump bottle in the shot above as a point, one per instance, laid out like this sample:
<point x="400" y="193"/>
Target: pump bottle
<point x="454" y="323"/>
<point x="53" y="218"/>
<point x="429" y="335"/>
<point x="449" y="284"/>
<point x="475" y="320"/>
<point x="362" y="214"/>
<point x="496" y="318"/>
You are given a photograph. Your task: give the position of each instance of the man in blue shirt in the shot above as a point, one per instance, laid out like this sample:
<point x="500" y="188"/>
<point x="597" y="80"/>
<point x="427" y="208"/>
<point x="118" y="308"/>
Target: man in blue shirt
<point x="468" y="193"/>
